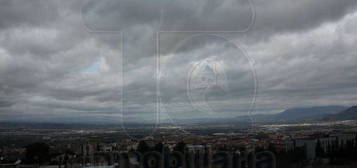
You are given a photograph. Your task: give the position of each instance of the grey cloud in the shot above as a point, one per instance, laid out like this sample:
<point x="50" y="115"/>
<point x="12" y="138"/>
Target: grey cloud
<point x="52" y="66"/>
<point x="274" y="17"/>
<point x="19" y="13"/>
<point x="186" y="15"/>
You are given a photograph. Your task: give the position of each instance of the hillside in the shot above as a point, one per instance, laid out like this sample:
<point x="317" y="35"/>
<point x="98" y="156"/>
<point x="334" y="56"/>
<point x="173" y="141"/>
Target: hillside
<point x="348" y="114"/>
<point x="298" y="114"/>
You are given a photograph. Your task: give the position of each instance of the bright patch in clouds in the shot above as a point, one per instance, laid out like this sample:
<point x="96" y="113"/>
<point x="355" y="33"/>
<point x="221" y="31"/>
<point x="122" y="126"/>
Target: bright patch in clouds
<point x="99" y="66"/>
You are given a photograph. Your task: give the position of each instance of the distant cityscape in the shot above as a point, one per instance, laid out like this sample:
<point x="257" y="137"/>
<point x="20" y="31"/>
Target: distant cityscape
<point x="317" y="144"/>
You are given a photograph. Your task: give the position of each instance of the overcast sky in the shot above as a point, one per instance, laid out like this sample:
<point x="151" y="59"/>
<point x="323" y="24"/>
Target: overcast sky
<point x="89" y="60"/>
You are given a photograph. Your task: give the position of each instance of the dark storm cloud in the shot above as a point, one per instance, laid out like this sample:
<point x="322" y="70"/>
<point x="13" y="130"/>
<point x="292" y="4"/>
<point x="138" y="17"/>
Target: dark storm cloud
<point x="19" y="13"/>
<point x="5" y="103"/>
<point x="293" y="15"/>
<point x="53" y="65"/>
<point x="185" y="15"/>
<point x="314" y="67"/>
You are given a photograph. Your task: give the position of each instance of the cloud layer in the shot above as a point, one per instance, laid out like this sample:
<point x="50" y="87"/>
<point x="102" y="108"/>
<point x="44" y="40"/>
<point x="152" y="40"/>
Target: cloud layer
<point x="65" y="61"/>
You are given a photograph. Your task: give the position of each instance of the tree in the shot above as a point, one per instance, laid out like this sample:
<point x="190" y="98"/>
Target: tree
<point x="159" y="147"/>
<point x="272" y="148"/>
<point x="319" y="151"/>
<point x="180" y="147"/>
<point x="143" y="147"/>
<point x="37" y="153"/>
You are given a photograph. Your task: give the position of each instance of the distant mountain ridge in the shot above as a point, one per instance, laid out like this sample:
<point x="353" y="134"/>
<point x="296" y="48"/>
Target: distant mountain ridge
<point x="348" y="114"/>
<point x="309" y="113"/>
<point x="298" y="114"/>
<point x="291" y="115"/>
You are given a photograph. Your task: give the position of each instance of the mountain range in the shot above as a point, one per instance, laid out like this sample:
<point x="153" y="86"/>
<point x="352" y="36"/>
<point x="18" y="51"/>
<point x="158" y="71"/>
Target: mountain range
<point x="307" y="114"/>
<point x="291" y="115"/>
<point x="347" y="114"/>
